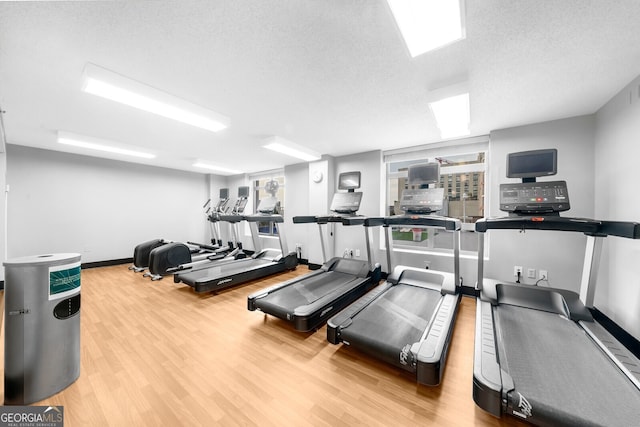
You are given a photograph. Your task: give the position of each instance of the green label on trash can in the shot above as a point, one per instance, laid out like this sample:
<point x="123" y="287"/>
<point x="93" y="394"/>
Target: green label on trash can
<point x="63" y="280"/>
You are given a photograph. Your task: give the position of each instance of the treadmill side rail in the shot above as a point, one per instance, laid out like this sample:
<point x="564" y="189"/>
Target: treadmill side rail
<point x="432" y="355"/>
<point x="487" y="382"/>
<point x="624" y="359"/>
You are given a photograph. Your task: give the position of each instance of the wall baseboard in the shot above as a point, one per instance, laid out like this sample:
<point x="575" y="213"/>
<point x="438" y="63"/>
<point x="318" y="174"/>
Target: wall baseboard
<point x="107" y="263"/>
<point x="469" y="291"/>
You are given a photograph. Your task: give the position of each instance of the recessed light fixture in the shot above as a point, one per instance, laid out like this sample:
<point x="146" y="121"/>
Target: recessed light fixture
<point x="428" y="24"/>
<point x="219" y="169"/>
<point x="452" y="115"/>
<point x="91" y="143"/>
<point x="115" y="87"/>
<point x="292" y="149"/>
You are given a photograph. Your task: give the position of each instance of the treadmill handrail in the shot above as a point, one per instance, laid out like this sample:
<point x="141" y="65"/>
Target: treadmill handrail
<point x="305" y="219"/>
<point x="557" y="223"/>
<point x="374" y="221"/>
<point x="344" y="220"/>
<point x="263" y="217"/>
<point x="325" y="219"/>
<point x="231" y="218"/>
<point x="451" y="224"/>
<point x="629" y="230"/>
<point x="590" y="227"/>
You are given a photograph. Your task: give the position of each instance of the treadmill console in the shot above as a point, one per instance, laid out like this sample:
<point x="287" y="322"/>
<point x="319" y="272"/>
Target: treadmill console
<point x="534" y="197"/>
<point x="346" y="203"/>
<point x="268" y="205"/>
<point x="239" y="206"/>
<point x="422" y="201"/>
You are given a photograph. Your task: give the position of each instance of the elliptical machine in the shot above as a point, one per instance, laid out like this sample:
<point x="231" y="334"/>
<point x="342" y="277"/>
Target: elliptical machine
<point x="142" y="251"/>
<point x="174" y="257"/>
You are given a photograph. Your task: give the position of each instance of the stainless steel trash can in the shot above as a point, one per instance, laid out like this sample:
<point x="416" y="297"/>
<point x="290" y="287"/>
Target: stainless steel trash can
<point x="42" y="326"/>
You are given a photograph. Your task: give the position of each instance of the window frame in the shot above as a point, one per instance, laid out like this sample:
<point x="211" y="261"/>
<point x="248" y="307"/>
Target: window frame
<point x="429" y="153"/>
<point x="278" y="175"/>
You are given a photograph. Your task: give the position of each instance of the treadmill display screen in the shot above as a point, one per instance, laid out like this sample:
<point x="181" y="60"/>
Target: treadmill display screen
<point x="243" y="192"/>
<point x="424" y="173"/>
<point x="349" y="181"/>
<point x="530" y="164"/>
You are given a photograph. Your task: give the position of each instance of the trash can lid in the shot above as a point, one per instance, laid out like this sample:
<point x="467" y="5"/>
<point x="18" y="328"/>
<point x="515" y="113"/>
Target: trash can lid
<point x="43" y="259"/>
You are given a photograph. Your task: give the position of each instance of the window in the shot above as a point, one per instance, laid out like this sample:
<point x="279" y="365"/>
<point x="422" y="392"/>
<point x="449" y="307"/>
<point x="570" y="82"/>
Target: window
<point x="462" y="175"/>
<point x="263" y="187"/>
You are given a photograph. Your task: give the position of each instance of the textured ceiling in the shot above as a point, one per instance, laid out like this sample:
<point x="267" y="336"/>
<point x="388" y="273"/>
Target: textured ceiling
<point x="331" y="75"/>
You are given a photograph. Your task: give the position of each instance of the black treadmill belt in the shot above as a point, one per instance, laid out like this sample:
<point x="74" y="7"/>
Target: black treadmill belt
<point x="562" y="375"/>
<point x="228" y="269"/>
<point x="308" y="290"/>
<point x="395" y="320"/>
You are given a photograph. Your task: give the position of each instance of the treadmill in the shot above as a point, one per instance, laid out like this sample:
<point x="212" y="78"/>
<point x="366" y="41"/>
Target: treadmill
<point x="264" y="262"/>
<point x="308" y="301"/>
<point x="408" y="320"/>
<point x="539" y="353"/>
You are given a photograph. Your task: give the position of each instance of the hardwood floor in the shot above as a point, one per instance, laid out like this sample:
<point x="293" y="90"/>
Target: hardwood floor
<point x="156" y="353"/>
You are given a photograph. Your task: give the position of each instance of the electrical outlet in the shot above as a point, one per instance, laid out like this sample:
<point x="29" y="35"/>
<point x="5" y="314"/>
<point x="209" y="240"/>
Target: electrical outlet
<point x="543" y="274"/>
<point x="531" y="273"/>
<point x="299" y="250"/>
<point x="357" y="252"/>
<point x="517" y="269"/>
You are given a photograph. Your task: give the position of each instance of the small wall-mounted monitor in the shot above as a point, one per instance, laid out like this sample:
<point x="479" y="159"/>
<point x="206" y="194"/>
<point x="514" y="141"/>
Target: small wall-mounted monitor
<point x="224" y="193"/>
<point x="349" y="181"/>
<point x="243" y="192"/>
<point x="530" y="164"/>
<point x="423" y="173"/>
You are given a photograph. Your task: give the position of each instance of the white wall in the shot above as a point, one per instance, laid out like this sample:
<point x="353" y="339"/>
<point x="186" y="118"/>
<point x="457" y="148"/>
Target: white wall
<point x="306" y="197"/>
<point x="616" y="198"/>
<point x="3" y="234"/>
<point x="561" y="254"/>
<point x="296" y="203"/>
<point x="353" y="237"/>
<point x="100" y="208"/>
<point x="217" y="182"/>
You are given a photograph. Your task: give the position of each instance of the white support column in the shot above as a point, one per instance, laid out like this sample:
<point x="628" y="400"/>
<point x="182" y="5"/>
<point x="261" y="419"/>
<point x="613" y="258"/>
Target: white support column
<point x="323" y="244"/>
<point x="592" y="253"/>
<point x="368" y="235"/>
<point x="456" y="256"/>
<point x="480" y="260"/>
<point x="388" y="239"/>
<point x="284" y="247"/>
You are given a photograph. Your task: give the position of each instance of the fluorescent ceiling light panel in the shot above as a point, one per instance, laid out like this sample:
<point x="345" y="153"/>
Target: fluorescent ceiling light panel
<point x="115" y="87"/>
<point x="223" y="170"/>
<point x="292" y="149"/>
<point x="91" y="143"/>
<point x="428" y="24"/>
<point x="452" y="115"/>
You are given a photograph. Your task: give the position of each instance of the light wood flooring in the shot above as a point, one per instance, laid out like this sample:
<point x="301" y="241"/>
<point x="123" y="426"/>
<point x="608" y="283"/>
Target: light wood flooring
<point x="156" y="353"/>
